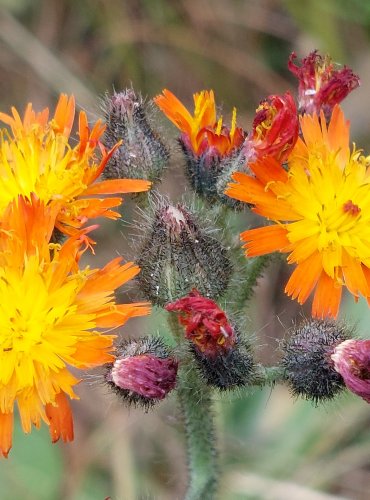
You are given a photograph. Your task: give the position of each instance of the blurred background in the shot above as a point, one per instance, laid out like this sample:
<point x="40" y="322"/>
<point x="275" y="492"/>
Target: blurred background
<point x="272" y="446"/>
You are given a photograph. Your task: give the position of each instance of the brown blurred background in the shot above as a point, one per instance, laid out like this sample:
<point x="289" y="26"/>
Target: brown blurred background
<point x="273" y="447"/>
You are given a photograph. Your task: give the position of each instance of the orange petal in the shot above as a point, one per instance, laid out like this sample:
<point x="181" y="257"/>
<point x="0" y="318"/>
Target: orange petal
<point x="327" y="297"/>
<point x="264" y="240"/>
<point x="354" y="276"/>
<point x="268" y="169"/>
<point x="304" y="278"/>
<point x="93" y="352"/>
<point x="6" y="433"/>
<point x="175" y="111"/>
<point x="64" y="114"/>
<point x="114" y="186"/>
<point x="60" y="419"/>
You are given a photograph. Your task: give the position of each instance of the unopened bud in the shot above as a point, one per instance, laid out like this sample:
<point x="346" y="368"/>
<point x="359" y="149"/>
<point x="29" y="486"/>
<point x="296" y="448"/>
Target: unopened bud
<point x="178" y="255"/>
<point x="143" y="372"/>
<point x="309" y="368"/>
<point x="142" y="154"/>
<point x="224" y="361"/>
<point x="352" y="360"/>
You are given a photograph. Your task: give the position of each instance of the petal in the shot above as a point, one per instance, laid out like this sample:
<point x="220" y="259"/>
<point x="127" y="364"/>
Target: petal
<point x="327" y="297"/>
<point x="60" y="419"/>
<point x="304" y="278"/>
<point x="264" y="240"/>
<point x="6" y="433"/>
<point x="114" y="186"/>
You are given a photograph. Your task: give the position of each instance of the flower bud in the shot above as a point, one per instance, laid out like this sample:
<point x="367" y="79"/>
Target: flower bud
<point x="143" y="372"/>
<point x="321" y="86"/>
<point x="178" y="255"/>
<point x="309" y="368"/>
<point x="142" y="153"/>
<point x="224" y="361"/>
<point x="352" y="360"/>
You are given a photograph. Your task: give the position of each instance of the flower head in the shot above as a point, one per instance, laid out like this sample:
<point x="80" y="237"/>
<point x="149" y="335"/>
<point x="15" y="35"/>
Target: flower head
<point x="36" y="157"/>
<point x="321" y="86"/>
<point x="207" y="326"/>
<point x="321" y="207"/>
<point x="275" y="127"/>
<point x="52" y="316"/>
<point x="352" y="360"/>
<point x="202" y="132"/>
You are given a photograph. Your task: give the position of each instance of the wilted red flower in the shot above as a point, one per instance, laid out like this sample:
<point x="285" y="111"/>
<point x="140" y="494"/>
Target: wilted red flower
<point x="321" y="86"/>
<point x="275" y="127"/>
<point x="352" y="360"/>
<point x="206" y="324"/>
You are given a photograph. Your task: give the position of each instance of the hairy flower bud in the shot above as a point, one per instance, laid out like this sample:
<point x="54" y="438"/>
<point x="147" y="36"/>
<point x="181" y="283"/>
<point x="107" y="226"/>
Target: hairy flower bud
<point x="352" y="360"/>
<point x="142" y="153"/>
<point x="309" y="368"/>
<point x="178" y="255"/>
<point x="224" y="361"/>
<point x="143" y="372"/>
<point x="321" y="86"/>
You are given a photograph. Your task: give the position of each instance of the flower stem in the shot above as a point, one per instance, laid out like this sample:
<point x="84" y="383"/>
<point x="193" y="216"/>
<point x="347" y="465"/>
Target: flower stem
<point x="195" y="403"/>
<point x="253" y="271"/>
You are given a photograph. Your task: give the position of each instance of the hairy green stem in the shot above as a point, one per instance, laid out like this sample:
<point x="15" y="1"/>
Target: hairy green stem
<point x="253" y="271"/>
<point x="195" y="403"/>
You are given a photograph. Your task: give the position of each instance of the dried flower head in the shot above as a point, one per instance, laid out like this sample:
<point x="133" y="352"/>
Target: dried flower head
<point x="321" y="85"/>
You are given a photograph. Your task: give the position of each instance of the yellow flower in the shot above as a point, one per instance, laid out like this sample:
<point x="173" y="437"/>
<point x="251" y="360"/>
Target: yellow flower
<point x="36" y="157"/>
<point x="52" y="316"/>
<point x="321" y="206"/>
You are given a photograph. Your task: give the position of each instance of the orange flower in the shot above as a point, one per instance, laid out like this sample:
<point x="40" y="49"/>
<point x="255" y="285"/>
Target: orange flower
<point x="202" y="131"/>
<point x="35" y="157"/>
<point x="321" y="207"/>
<point x="52" y="316"/>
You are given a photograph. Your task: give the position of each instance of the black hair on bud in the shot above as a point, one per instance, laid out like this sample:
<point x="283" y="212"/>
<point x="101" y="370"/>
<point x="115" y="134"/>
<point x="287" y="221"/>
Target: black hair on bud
<point x="178" y="255"/>
<point x="142" y="154"/>
<point x="143" y="373"/>
<point x="308" y="366"/>
<point x="227" y="370"/>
